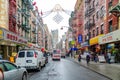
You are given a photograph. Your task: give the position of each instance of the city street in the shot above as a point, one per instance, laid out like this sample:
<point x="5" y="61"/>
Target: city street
<point x="66" y="69"/>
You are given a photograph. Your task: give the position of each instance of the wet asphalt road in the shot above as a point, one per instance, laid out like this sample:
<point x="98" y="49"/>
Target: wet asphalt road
<point x="66" y="69"/>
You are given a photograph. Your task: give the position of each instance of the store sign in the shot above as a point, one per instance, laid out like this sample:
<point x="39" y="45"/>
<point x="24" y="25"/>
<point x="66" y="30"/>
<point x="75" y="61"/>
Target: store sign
<point x="94" y="40"/>
<point x="1" y="34"/>
<point x="80" y="38"/>
<point x="12" y="37"/>
<point x="15" y="38"/>
<point x="110" y="37"/>
<point x="84" y="44"/>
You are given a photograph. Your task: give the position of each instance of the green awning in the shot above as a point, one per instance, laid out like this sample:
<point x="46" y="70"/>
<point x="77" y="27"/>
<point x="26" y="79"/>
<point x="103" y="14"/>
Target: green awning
<point x="115" y="8"/>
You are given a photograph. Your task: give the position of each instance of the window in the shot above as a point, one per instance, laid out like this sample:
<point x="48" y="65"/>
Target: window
<point x="102" y="29"/>
<point x="97" y="31"/>
<point x="110" y="3"/>
<point x="54" y="51"/>
<point x="30" y="54"/>
<point x="102" y="8"/>
<point x="85" y="37"/>
<point x="93" y="3"/>
<point x="102" y="11"/>
<point x="93" y="33"/>
<point x="110" y="26"/>
<point x="97" y="15"/>
<point x="89" y="34"/>
<point x="9" y="66"/>
<point x="97" y="2"/>
<point x="93" y="18"/>
<point x="21" y="54"/>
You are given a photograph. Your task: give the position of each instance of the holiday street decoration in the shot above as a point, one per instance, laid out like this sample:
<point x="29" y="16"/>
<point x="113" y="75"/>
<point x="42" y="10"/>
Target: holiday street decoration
<point x="57" y="9"/>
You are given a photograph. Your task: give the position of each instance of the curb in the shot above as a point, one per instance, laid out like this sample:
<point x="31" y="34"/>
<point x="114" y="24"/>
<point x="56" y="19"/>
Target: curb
<point x="92" y="70"/>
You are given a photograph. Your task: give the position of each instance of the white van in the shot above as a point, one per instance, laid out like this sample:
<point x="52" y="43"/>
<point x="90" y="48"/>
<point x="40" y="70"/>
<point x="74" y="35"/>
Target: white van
<point x="56" y="55"/>
<point x="30" y="59"/>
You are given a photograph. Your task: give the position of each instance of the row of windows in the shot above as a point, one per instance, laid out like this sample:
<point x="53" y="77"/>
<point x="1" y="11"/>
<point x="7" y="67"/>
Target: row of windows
<point x="100" y="30"/>
<point x="95" y="32"/>
<point x="99" y="14"/>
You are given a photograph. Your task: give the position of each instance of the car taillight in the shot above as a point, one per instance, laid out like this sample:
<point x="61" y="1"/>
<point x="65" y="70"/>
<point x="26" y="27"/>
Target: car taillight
<point x="35" y="55"/>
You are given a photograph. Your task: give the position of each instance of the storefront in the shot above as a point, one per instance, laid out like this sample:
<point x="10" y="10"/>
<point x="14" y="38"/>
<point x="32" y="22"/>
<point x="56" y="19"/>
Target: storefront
<point x="94" y="46"/>
<point x="111" y="42"/>
<point x="10" y="43"/>
<point x="84" y="46"/>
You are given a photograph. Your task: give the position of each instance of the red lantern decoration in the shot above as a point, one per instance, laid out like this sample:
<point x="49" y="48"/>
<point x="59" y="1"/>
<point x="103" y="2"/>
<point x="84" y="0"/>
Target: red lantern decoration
<point x="34" y="3"/>
<point x="41" y="13"/>
<point x="36" y="7"/>
<point x="42" y="49"/>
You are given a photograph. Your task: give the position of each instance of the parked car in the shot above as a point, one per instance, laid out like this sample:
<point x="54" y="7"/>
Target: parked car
<point x="1" y="74"/>
<point x="30" y="59"/>
<point x="63" y="54"/>
<point x="12" y="71"/>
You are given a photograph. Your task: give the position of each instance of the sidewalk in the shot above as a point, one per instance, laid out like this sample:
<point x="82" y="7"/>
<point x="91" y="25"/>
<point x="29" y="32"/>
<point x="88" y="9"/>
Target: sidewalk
<point x="111" y="71"/>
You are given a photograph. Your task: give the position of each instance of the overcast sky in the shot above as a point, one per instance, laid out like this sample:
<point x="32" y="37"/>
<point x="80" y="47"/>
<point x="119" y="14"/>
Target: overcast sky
<point x="48" y="5"/>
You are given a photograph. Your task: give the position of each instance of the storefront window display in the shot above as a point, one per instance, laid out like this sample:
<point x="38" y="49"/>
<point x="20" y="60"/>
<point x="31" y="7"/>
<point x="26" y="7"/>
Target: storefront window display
<point x="116" y="53"/>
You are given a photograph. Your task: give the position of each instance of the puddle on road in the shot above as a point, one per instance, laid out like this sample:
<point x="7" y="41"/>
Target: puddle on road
<point x="52" y="74"/>
<point x="49" y="74"/>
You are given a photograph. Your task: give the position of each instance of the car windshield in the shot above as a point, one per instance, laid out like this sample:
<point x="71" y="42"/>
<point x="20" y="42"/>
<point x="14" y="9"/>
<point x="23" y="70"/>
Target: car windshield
<point x="56" y="51"/>
<point x="30" y="54"/>
<point x="21" y="54"/>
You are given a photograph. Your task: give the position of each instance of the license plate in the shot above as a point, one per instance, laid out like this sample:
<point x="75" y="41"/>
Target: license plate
<point x="29" y="61"/>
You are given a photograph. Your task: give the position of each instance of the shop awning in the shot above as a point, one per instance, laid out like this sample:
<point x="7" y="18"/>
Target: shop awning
<point x="94" y="40"/>
<point x="115" y="8"/>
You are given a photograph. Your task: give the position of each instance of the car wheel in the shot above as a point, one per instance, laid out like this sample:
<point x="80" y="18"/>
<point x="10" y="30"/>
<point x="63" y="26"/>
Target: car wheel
<point x="24" y="77"/>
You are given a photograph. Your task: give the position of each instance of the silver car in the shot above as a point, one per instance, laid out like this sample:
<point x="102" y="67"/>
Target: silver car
<point x="12" y="72"/>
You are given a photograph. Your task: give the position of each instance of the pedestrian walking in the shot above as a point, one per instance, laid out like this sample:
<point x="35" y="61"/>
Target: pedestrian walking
<point x="79" y="57"/>
<point x="96" y="58"/>
<point x="108" y="57"/>
<point x="87" y="57"/>
<point x="70" y="53"/>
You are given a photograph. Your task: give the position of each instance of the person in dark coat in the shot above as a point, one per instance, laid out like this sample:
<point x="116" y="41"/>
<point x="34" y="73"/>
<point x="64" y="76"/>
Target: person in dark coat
<point x="79" y="57"/>
<point x="88" y="58"/>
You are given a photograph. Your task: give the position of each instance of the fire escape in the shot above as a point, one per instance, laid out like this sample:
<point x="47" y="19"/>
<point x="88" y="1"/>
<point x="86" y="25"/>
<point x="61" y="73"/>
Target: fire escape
<point x="90" y="22"/>
<point x="12" y="15"/>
